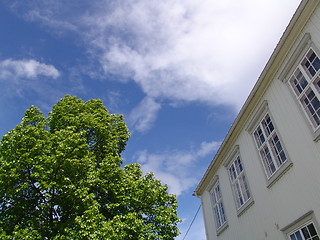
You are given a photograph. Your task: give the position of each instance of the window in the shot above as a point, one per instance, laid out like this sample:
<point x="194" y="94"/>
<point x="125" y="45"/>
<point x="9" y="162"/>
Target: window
<point x="274" y="158"/>
<point x="303" y="228"/>
<point x="305" y="232"/>
<point x="239" y="183"/>
<point x="305" y="83"/>
<point x="218" y="208"/>
<point x="269" y="146"/>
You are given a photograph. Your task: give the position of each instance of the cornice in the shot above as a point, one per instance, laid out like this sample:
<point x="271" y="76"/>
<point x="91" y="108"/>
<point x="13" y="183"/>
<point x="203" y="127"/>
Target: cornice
<point x="289" y="37"/>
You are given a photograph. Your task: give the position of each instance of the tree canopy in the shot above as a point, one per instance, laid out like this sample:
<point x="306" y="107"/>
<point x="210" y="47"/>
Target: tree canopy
<point x="62" y="177"/>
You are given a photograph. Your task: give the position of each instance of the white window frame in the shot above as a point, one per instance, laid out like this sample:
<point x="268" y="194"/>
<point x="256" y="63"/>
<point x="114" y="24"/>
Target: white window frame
<point x="291" y="68"/>
<point x="301" y="227"/>
<point x="304" y="230"/>
<point x="239" y="181"/>
<point x="305" y="84"/>
<point x="273" y="164"/>
<point x="269" y="146"/>
<point x="218" y="208"/>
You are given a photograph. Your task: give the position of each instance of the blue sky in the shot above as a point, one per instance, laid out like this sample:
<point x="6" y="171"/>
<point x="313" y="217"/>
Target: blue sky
<point x="179" y="71"/>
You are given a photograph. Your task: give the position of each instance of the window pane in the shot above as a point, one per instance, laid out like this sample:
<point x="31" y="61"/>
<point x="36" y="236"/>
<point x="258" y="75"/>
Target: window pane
<point x="216" y="213"/>
<point x="298" y="82"/>
<point x="317" y="84"/>
<point x="223" y="215"/>
<point x="218" y="193"/>
<point x="296" y="236"/>
<point x="267" y="125"/>
<point x="282" y="156"/>
<point x="311" y="63"/>
<point x="238" y="165"/>
<point x="316" y="64"/>
<point x="240" y="200"/>
<point x="315" y="103"/>
<point x="214" y="196"/>
<point x="245" y="188"/>
<point x="233" y="175"/>
<point x="277" y="149"/>
<point x="312" y="230"/>
<point x="312" y="106"/>
<point x="305" y="233"/>
<point x="293" y="237"/>
<point x="220" y="208"/>
<point x="267" y="160"/>
<point x="259" y="137"/>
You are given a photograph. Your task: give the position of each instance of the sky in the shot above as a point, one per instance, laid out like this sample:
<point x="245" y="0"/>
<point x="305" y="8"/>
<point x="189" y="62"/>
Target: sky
<point x="178" y="70"/>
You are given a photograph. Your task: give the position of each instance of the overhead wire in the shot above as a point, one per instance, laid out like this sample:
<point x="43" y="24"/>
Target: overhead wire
<point x="192" y="222"/>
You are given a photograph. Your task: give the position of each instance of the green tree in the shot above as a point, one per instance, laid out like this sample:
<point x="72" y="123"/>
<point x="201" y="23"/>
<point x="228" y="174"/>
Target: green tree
<point x="61" y="177"/>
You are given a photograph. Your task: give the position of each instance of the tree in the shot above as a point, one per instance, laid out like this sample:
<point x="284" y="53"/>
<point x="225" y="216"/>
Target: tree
<point x="61" y="177"/>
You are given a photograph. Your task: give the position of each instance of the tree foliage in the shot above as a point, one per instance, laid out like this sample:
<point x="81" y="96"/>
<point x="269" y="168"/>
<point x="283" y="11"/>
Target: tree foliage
<point x="61" y="177"/>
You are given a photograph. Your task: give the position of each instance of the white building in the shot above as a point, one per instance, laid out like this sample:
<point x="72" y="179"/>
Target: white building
<point x="264" y="182"/>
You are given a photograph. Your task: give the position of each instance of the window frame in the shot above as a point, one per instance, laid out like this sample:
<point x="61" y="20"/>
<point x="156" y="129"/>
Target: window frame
<point x="300" y="223"/>
<point x="231" y="159"/>
<point x="307" y="84"/>
<point x="269" y="145"/>
<point x="253" y="125"/>
<point x="288" y="69"/>
<point x="219" y="204"/>
<point x="300" y="231"/>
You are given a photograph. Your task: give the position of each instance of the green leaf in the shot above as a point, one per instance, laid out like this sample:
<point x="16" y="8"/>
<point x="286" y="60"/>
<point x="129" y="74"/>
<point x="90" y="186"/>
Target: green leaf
<point x="61" y="177"/>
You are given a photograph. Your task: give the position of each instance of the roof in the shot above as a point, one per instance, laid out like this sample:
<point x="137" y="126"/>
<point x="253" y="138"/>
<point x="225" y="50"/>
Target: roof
<point x="296" y="25"/>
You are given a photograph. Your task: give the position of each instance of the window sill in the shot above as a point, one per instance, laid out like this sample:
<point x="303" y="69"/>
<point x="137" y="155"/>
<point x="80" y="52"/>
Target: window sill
<point x="244" y="207"/>
<point x="282" y="170"/>
<point x="222" y="228"/>
<point x="316" y="135"/>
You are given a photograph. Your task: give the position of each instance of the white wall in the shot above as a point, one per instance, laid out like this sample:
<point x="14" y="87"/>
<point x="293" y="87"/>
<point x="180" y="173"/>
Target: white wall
<point x="296" y="192"/>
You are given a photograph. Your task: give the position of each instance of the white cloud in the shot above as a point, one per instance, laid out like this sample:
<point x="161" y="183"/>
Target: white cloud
<point x="175" y="168"/>
<point x="143" y="116"/>
<point x="27" y="68"/>
<point x="183" y="50"/>
<point x="54" y="23"/>
<point x="210" y="51"/>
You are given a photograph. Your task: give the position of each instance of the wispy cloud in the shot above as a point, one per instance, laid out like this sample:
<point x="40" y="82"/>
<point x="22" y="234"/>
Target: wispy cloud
<point x="143" y="116"/>
<point x="188" y="50"/>
<point x="176" y="168"/>
<point x="184" y="50"/>
<point x="45" y="17"/>
<point x="29" y="78"/>
<point x="26" y="68"/>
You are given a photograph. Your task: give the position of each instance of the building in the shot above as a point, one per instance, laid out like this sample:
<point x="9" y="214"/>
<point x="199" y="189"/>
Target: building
<point x="264" y="182"/>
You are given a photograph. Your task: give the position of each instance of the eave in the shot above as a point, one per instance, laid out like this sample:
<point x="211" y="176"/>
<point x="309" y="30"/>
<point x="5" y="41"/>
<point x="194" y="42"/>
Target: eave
<point x="296" y="25"/>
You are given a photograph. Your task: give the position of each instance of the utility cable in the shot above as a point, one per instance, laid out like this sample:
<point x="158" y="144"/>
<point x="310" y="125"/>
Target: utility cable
<point x="192" y="222"/>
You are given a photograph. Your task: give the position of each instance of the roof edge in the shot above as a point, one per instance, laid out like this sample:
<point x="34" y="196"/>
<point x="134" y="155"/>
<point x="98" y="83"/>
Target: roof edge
<point x="296" y="24"/>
